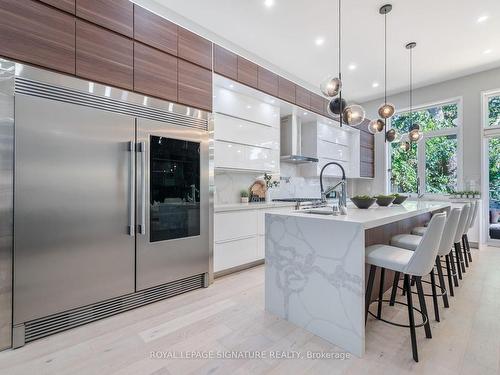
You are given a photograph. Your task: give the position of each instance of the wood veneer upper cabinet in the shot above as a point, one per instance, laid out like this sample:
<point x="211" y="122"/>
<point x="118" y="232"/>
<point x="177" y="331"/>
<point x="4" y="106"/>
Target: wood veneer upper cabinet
<point x="66" y="5"/>
<point x="286" y="90"/>
<point x="195" y="85"/>
<point x="317" y="104"/>
<point x="225" y="62"/>
<point x="302" y="97"/>
<point x="103" y="56"/>
<point x="116" y="15"/>
<point x="366" y="170"/>
<point x="155" y="72"/>
<point x="155" y="31"/>
<point x="194" y="48"/>
<point x="35" y="33"/>
<point x="248" y="72"/>
<point x="267" y="81"/>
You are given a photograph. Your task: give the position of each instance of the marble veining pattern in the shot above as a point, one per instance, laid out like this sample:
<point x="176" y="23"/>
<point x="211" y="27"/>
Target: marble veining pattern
<point x="315" y="283"/>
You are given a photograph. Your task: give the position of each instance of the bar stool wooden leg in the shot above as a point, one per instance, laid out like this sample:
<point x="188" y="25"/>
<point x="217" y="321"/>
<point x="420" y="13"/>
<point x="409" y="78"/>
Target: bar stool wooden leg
<point x="369" y="289"/>
<point x="442" y="283"/>
<point x="434" y="296"/>
<point x="397" y="275"/>
<point x="423" y="306"/>
<point x="468" y="248"/>
<point x="458" y="259"/>
<point x="381" y="293"/>
<point x="464" y="251"/>
<point x="452" y="262"/>
<point x="411" y="318"/>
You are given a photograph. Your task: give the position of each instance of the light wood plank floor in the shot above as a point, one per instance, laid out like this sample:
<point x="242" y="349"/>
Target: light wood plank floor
<point x="230" y="316"/>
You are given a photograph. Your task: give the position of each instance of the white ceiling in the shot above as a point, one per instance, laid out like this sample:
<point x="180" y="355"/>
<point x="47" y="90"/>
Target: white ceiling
<point x="451" y="43"/>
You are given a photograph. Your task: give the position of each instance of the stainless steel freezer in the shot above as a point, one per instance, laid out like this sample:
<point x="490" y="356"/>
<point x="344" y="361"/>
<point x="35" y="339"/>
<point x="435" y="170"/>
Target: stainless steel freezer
<point x="111" y="202"/>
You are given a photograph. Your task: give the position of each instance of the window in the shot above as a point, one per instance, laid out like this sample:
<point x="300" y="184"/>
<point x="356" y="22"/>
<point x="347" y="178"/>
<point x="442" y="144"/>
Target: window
<point x="493" y="111"/>
<point x="434" y="161"/>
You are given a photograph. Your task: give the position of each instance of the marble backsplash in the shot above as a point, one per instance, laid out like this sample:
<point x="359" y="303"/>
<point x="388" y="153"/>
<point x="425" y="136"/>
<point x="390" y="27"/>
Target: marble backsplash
<point x="228" y="185"/>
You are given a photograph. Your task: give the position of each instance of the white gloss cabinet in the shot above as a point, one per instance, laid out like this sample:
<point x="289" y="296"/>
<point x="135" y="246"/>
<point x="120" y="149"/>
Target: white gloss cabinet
<point x="330" y="143"/>
<point x="239" y="237"/>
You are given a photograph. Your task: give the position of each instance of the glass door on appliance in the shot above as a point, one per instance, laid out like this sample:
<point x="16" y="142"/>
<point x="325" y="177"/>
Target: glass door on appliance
<point x="174" y="188"/>
<point x="172" y="202"/>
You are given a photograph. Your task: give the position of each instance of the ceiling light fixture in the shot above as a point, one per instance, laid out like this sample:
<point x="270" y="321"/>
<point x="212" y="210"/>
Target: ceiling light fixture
<point x="482" y="19"/>
<point x="352" y="114"/>
<point x="269" y="3"/>
<point x="375" y="84"/>
<point x="487" y="51"/>
<point x="319" y="41"/>
<point x="352" y="66"/>
<point x="414" y="132"/>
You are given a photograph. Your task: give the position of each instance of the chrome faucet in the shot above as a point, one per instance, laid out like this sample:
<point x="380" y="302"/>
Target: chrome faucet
<point x="342" y="183"/>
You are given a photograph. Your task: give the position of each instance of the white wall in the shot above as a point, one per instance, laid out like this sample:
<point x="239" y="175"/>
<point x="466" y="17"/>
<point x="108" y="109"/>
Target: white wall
<point x="469" y="88"/>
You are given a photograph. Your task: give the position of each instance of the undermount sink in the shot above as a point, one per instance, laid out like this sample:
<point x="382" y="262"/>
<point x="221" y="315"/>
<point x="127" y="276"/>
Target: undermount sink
<point x="320" y="211"/>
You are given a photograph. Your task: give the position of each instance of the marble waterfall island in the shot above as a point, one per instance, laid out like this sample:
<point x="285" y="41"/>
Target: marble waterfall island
<point x="315" y="265"/>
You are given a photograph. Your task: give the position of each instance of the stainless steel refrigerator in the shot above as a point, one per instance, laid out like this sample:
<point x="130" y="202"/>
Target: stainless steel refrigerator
<point x="111" y="201"/>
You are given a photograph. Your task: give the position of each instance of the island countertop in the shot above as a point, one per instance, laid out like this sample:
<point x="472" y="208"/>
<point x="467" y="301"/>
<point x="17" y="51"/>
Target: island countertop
<point x="375" y="215"/>
<point x="315" y="265"/>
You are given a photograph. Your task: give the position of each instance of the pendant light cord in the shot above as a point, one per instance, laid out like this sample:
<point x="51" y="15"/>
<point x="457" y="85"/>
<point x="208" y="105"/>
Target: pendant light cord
<point x="341" y="114"/>
<point x="385" y="58"/>
<point x="411" y="85"/>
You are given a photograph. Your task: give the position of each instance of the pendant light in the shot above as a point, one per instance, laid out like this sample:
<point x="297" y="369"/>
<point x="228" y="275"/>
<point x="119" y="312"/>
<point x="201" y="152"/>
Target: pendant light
<point x="352" y="114"/>
<point x="386" y="110"/>
<point x="376" y="126"/>
<point x="414" y="132"/>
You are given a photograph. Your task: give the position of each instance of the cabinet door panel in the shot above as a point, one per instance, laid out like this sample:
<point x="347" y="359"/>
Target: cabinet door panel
<point x="248" y="72"/>
<point x="155" y="72"/>
<point x="268" y="81"/>
<point x="103" y="56"/>
<point x="236" y="253"/>
<point x="286" y="90"/>
<point x="195" y="85"/>
<point x="233" y="225"/>
<point x="155" y="31"/>
<point x="116" y="15"/>
<point x="66" y="5"/>
<point x="317" y="104"/>
<point x="302" y="97"/>
<point x="37" y="34"/>
<point x="194" y="48"/>
<point x="366" y="139"/>
<point x="366" y="170"/>
<point x="225" y="62"/>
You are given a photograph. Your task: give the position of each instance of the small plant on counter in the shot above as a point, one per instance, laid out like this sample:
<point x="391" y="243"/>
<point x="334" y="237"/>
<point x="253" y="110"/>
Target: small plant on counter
<point x="477" y="194"/>
<point x="362" y="197"/>
<point x="244" y="196"/>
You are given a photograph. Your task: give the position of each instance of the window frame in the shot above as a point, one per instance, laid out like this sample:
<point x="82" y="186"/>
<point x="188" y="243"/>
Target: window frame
<point x="485" y="95"/>
<point x="421" y="146"/>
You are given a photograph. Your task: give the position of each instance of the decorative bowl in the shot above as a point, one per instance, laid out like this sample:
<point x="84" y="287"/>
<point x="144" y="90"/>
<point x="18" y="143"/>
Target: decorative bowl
<point x="385" y="200"/>
<point x="363" y="202"/>
<point x="399" y="199"/>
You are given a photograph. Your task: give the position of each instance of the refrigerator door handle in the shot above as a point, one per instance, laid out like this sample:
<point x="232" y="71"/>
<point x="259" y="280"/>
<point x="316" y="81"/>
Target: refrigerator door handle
<point x="131" y="227"/>
<point x="142" y="226"/>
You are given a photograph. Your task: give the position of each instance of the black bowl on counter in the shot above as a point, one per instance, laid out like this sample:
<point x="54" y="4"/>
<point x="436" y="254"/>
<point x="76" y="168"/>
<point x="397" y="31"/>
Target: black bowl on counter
<point x="400" y="199"/>
<point x="363" y="202"/>
<point x="385" y="200"/>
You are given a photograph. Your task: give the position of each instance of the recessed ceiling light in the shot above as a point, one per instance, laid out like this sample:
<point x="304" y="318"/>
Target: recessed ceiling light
<point x="487" y="51"/>
<point x="375" y="84"/>
<point x="231" y="86"/>
<point x="319" y="41"/>
<point x="305" y="113"/>
<point x="269" y="3"/>
<point x="482" y="19"/>
<point x="352" y="66"/>
<point x="249" y="107"/>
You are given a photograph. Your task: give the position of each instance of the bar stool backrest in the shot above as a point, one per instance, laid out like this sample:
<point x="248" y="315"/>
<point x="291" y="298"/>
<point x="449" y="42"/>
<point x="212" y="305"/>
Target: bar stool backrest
<point x="424" y="256"/>
<point x="469" y="218"/>
<point x="474" y="215"/>
<point x="462" y="222"/>
<point x="450" y="229"/>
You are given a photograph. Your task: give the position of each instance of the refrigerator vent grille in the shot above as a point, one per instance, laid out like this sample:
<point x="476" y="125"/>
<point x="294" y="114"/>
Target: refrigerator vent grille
<point x="46" y="326"/>
<point x="43" y="90"/>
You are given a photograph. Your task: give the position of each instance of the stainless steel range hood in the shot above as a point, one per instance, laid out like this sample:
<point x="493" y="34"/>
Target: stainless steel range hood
<point x="291" y="141"/>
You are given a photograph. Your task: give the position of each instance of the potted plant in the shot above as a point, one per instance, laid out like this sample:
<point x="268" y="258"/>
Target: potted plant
<point x="384" y="200"/>
<point x="363" y="201"/>
<point x="477" y="194"/>
<point x="244" y="196"/>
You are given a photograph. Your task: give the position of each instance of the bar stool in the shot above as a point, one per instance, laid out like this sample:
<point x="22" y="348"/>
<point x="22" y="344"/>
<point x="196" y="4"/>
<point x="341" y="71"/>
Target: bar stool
<point x="465" y="238"/>
<point x="458" y="259"/>
<point x="416" y="264"/>
<point x="411" y="242"/>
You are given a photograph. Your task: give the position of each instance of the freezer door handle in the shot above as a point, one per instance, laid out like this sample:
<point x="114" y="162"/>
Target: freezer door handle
<point x="131" y="226"/>
<point x="142" y="226"/>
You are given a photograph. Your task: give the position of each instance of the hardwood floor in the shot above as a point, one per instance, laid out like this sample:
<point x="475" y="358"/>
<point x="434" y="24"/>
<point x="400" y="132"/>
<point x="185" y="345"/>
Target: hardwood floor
<point x="230" y="316"/>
